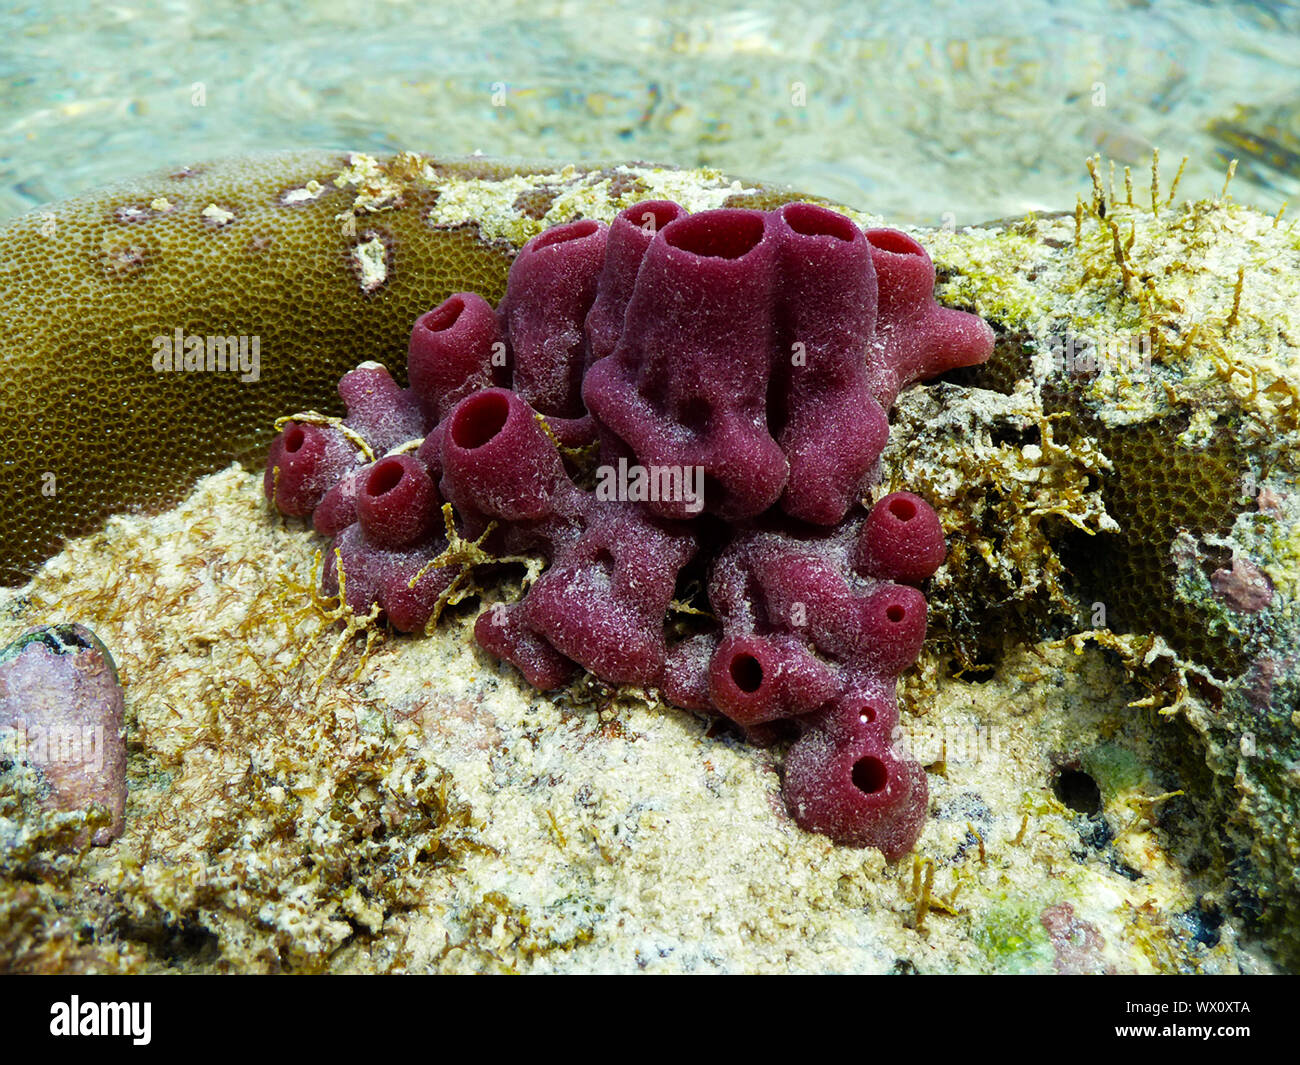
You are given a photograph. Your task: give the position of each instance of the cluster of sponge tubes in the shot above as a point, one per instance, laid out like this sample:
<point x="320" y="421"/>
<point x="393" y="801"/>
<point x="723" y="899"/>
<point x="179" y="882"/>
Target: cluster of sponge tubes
<point x="759" y="349"/>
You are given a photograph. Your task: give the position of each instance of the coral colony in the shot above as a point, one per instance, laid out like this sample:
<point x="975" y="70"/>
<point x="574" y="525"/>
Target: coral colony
<point x="731" y="371"/>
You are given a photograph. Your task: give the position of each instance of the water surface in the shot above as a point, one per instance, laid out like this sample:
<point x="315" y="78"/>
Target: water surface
<point x="961" y="111"/>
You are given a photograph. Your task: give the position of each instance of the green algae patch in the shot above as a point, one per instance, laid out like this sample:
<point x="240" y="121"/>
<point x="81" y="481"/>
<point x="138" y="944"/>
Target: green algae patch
<point x="1013" y="939"/>
<point x="1116" y="768"/>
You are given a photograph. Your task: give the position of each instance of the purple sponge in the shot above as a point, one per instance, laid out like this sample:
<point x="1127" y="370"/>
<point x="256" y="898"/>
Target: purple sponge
<point x="686" y="385"/>
<point x="751" y="353"/>
<point x="551" y="287"/>
<point x="395" y="502"/>
<point x="612" y="565"/>
<point x="307" y="459"/>
<point x="497" y="461"/>
<point x="900" y="541"/>
<point x="629" y="236"/>
<point x="831" y="428"/>
<point x="376" y="574"/>
<point x="915" y="337"/>
<point x="604" y="596"/>
<point x="845" y="780"/>
<point x="397" y="531"/>
<point x="804" y="637"/>
<point x="456" y="349"/>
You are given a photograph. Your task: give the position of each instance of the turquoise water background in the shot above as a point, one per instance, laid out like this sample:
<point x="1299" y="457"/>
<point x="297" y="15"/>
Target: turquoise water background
<point x="927" y="113"/>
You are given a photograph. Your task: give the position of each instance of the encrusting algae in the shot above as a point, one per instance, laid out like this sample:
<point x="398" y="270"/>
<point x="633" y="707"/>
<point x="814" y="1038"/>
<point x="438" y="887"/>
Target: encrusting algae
<point x="303" y="799"/>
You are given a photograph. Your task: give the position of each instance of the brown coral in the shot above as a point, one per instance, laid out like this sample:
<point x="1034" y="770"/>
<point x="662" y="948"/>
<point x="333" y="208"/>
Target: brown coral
<point x="91" y="282"/>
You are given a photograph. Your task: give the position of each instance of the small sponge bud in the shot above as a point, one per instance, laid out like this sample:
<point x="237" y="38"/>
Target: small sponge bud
<point x="851" y="785"/>
<point x="901" y="540"/>
<point x="338" y="507"/>
<point x="383" y="413"/>
<point x="743" y="681"/>
<point x="305" y="460"/>
<point x="904" y="272"/>
<point x="893" y="628"/>
<point x="499" y="632"/>
<point x="685" y="680"/>
<point x="455" y="349"/>
<point x="497" y="460"/>
<point x="756" y="679"/>
<point x="396" y="502"/>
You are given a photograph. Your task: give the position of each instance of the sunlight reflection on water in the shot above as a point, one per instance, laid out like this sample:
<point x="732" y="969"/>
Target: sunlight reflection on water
<point x="976" y="110"/>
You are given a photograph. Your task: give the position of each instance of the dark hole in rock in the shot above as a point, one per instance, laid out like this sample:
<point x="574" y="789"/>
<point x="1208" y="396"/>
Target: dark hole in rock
<point x="1078" y="791"/>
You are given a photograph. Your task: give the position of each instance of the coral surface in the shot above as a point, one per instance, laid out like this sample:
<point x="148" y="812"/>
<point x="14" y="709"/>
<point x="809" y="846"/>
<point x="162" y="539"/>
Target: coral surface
<point x="736" y="364"/>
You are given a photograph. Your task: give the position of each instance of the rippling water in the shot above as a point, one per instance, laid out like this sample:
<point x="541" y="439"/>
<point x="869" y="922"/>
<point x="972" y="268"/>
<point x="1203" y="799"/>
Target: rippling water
<point x="967" y="110"/>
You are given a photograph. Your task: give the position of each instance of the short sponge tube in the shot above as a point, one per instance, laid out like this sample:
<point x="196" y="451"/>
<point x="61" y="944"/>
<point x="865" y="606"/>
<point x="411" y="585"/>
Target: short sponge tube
<point x="396" y="502"/>
<point x="455" y="349"/>
<point x="901" y="540"/>
<point x="496" y="458"/>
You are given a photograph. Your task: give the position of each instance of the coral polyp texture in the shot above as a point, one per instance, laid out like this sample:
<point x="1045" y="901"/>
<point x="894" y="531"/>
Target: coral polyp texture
<point x="672" y="395"/>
